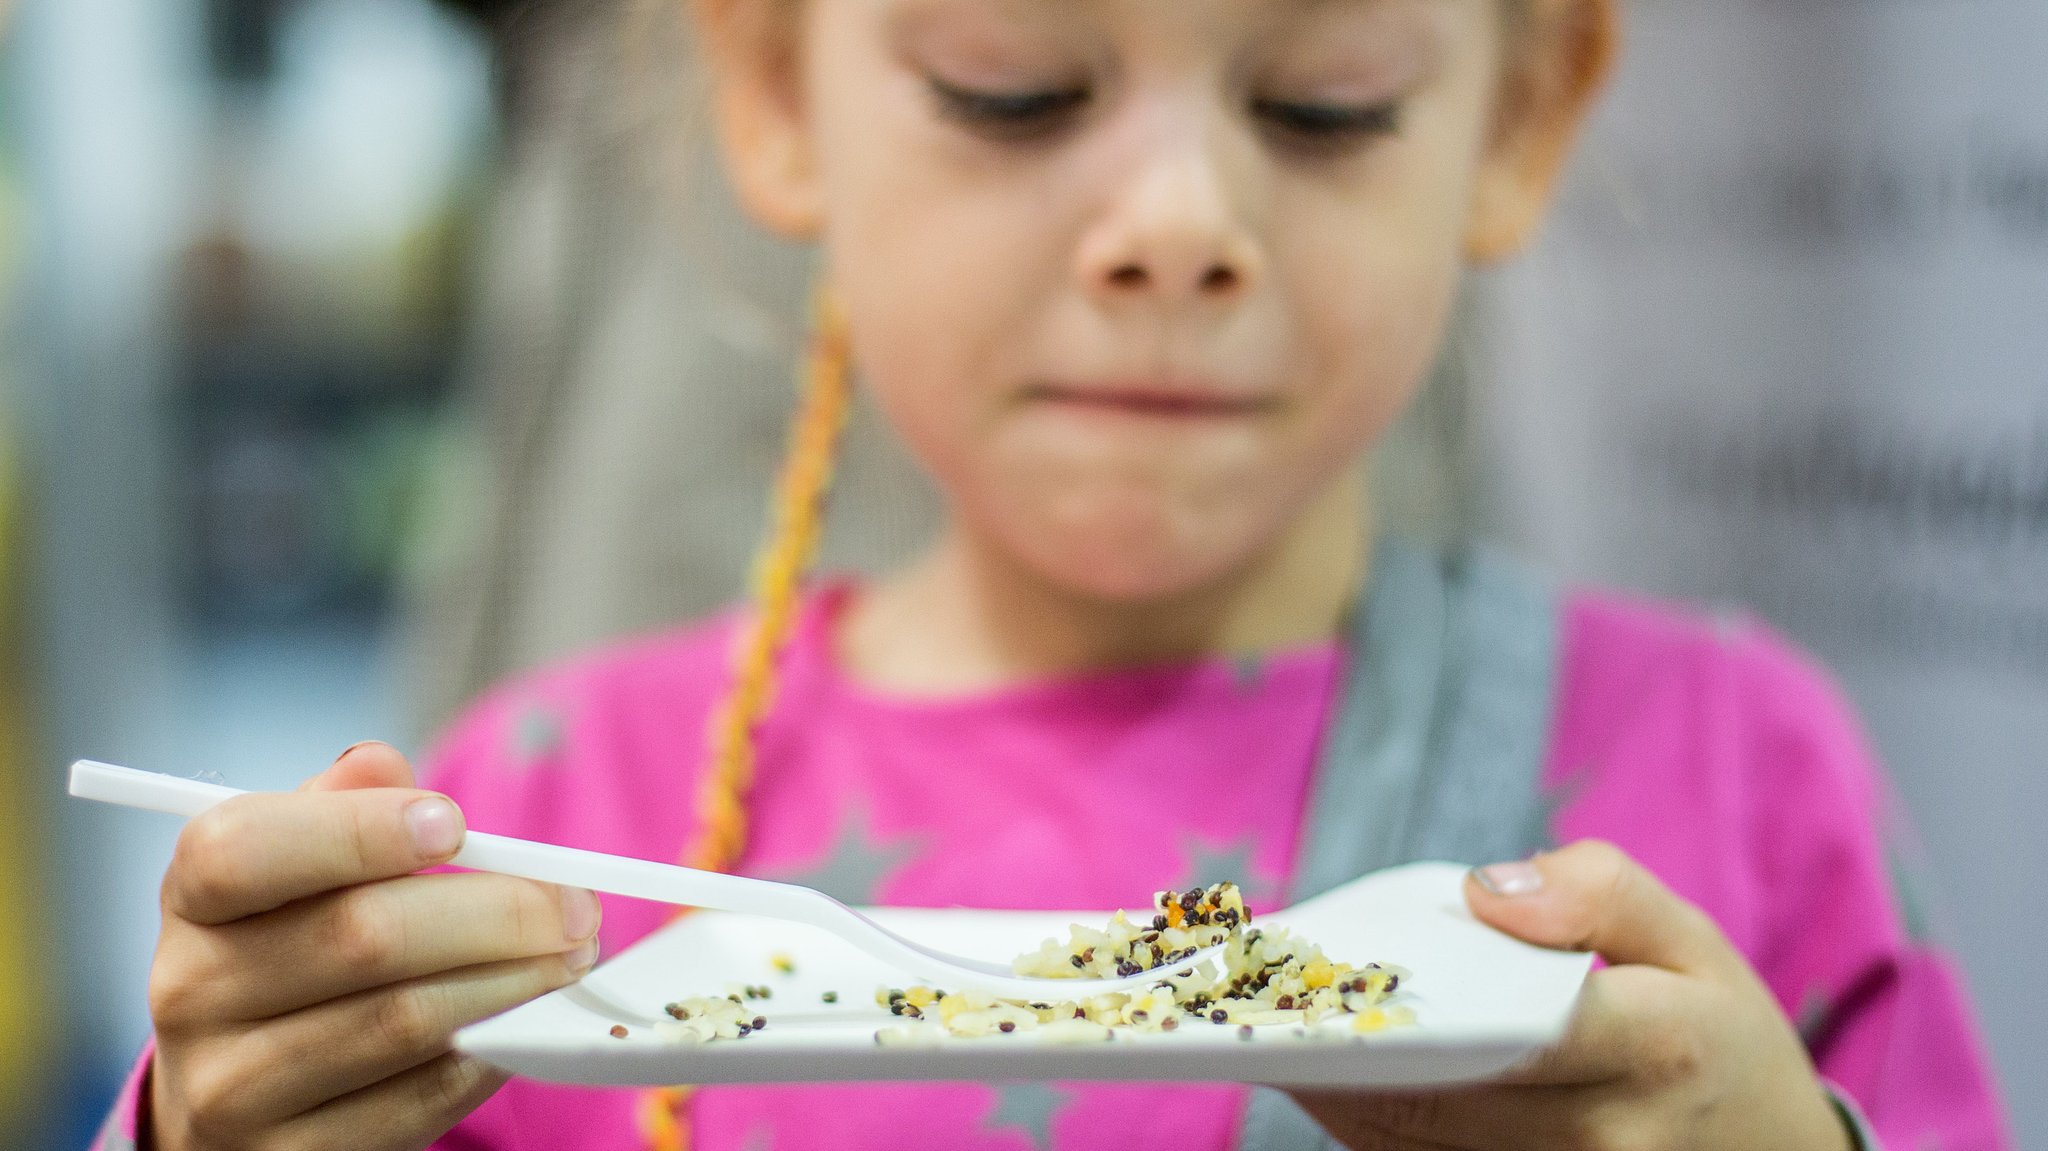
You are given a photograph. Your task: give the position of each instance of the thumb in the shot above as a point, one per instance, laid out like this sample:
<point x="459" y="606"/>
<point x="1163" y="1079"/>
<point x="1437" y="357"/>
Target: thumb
<point x="1592" y="897"/>
<point x="371" y="763"/>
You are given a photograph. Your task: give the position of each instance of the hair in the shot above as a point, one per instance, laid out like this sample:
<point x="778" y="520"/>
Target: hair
<point x="796" y="524"/>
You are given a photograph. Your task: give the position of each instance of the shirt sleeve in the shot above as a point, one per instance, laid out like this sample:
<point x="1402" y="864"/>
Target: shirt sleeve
<point x="1845" y="944"/>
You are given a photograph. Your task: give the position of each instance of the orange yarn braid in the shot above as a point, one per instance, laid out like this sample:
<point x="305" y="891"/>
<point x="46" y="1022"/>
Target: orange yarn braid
<point x="796" y="526"/>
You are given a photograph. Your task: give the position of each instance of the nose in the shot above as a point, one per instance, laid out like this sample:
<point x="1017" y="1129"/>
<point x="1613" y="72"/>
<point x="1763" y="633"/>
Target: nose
<point x="1171" y="231"/>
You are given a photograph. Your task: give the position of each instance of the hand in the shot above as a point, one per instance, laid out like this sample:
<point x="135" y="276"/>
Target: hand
<point x="1678" y="1045"/>
<point x="307" y="983"/>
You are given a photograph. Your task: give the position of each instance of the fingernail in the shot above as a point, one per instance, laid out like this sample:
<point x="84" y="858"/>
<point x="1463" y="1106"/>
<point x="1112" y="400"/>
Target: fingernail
<point x="353" y="748"/>
<point x="580" y="913"/>
<point x="1510" y="879"/>
<point x="435" y="825"/>
<point x="584" y="957"/>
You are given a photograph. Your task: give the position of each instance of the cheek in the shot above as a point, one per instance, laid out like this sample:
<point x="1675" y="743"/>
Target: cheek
<point x="942" y="261"/>
<point x="1371" y="276"/>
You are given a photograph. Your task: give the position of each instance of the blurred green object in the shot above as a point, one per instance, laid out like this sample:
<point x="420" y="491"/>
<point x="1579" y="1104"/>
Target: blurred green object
<point x="24" y="996"/>
<point x="26" y="1051"/>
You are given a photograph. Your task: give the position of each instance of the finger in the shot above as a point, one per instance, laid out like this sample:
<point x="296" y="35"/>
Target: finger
<point x="258" y="852"/>
<point x="296" y="1063"/>
<point x="372" y="763"/>
<point x="1635" y="1022"/>
<point x="1525" y="1118"/>
<point x="1378" y="1123"/>
<point x="407" y="1111"/>
<point x="1592" y="897"/>
<point x="375" y="934"/>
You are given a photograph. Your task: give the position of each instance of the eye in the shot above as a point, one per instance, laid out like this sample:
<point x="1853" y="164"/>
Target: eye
<point x="1008" y="115"/>
<point x="1329" y="126"/>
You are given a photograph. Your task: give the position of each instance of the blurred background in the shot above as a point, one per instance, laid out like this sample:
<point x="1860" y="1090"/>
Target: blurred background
<point x="356" y="352"/>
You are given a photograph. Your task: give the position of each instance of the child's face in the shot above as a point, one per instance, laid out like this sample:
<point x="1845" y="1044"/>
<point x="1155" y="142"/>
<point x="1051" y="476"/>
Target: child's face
<point x="1137" y="280"/>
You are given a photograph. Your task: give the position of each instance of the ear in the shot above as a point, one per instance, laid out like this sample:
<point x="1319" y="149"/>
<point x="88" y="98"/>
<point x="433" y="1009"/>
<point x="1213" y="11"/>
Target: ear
<point x="754" y="52"/>
<point x="1560" y="54"/>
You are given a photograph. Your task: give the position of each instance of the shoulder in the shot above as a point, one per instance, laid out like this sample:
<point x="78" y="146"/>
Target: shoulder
<point x="1633" y="666"/>
<point x="1714" y="750"/>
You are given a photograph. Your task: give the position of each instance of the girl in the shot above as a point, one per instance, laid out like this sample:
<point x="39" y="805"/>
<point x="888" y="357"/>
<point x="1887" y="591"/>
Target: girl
<point x="1140" y="282"/>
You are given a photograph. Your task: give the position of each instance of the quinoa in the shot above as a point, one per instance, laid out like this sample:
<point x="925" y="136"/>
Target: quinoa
<point x="701" y="1020"/>
<point x="1265" y="979"/>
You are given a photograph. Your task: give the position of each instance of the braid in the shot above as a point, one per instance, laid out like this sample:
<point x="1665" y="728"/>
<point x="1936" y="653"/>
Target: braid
<point x="796" y="525"/>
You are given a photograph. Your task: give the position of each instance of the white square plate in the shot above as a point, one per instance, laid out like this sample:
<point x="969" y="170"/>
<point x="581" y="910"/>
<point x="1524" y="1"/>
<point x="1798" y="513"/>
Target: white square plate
<point x="1483" y="1002"/>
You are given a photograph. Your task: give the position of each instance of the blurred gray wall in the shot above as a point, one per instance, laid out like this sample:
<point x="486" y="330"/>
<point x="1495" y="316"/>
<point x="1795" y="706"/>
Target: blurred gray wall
<point x="1785" y="348"/>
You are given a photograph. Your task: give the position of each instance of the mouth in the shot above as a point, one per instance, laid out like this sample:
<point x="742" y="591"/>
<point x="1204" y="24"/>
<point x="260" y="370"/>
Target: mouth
<point x="1159" y="401"/>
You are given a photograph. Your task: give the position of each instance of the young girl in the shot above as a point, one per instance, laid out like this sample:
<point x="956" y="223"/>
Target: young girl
<point x="1140" y="282"/>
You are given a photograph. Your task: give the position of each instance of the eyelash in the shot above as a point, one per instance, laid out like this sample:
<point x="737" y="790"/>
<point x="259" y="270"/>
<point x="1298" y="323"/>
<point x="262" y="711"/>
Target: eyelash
<point x="1032" y="115"/>
<point x="1330" y="125"/>
<point x="1009" y="115"/>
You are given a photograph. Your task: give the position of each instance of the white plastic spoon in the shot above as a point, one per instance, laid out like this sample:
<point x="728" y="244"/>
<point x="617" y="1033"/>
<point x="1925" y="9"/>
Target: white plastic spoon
<point x="660" y="882"/>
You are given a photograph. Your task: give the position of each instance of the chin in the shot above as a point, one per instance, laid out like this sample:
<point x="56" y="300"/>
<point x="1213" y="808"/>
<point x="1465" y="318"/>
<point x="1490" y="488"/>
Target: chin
<point x="1121" y="561"/>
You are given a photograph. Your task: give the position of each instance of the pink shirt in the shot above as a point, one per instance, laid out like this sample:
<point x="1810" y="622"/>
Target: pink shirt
<point x="1714" y="755"/>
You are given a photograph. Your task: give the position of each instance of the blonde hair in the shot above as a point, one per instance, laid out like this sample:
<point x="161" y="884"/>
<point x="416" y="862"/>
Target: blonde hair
<point x="796" y="525"/>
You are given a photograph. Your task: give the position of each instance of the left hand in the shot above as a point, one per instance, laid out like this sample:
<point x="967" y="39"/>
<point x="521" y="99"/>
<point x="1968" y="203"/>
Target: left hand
<point x="1678" y="1045"/>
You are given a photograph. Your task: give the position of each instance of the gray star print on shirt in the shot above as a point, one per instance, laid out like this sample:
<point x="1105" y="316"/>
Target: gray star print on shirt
<point x="1030" y="1106"/>
<point x="856" y="865"/>
<point x="535" y="736"/>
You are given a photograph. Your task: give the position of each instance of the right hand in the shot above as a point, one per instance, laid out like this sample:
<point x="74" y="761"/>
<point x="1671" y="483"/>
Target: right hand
<point x="307" y="983"/>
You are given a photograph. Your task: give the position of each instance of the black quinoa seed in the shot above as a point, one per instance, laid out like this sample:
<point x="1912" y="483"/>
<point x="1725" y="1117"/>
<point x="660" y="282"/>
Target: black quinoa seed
<point x="1286" y="1003"/>
<point x="1159" y="923"/>
<point x="1219" y="1016"/>
<point x="745" y="1031"/>
<point x="1077" y="962"/>
<point x="1169" y="1024"/>
<point x="1393" y="981"/>
<point x="1245" y="1032"/>
<point x="760" y="1022"/>
<point x="1006" y="1027"/>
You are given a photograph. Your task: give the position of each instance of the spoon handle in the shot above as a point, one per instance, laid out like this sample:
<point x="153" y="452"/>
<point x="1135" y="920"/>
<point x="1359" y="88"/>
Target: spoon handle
<point x="639" y="878"/>
<point x="482" y="851"/>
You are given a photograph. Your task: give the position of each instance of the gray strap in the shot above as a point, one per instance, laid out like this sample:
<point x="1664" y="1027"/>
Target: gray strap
<point x="1438" y="745"/>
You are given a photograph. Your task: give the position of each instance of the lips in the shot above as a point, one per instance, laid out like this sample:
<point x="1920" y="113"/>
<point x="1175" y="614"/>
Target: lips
<point x="1166" y="401"/>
